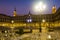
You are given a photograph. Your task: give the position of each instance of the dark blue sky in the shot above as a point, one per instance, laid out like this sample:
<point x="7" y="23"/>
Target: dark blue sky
<point x="24" y="6"/>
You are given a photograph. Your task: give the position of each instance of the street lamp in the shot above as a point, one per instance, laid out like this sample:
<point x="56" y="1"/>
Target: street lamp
<point x="12" y="31"/>
<point x="38" y="7"/>
<point x="41" y="28"/>
<point x="12" y="21"/>
<point x="43" y="25"/>
<point x="43" y="20"/>
<point x="49" y="36"/>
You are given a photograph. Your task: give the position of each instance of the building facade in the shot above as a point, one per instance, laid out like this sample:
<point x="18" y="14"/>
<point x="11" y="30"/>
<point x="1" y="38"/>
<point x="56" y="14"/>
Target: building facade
<point x="30" y="20"/>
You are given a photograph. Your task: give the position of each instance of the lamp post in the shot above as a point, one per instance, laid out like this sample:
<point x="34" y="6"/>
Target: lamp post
<point x="49" y="37"/>
<point x="12" y="21"/>
<point x="43" y="20"/>
<point x="12" y="31"/>
<point x="43" y="24"/>
<point x="12" y="24"/>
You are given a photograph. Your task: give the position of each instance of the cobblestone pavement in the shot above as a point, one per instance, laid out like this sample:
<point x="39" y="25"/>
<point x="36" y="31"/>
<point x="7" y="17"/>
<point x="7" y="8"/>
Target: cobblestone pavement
<point x="32" y="36"/>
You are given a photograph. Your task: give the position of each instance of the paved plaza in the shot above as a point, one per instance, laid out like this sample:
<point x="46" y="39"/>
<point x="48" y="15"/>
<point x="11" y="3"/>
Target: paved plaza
<point x="31" y="36"/>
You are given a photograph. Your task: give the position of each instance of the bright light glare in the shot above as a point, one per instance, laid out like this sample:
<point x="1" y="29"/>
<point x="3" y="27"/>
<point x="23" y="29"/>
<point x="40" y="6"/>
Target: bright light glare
<point x="29" y="20"/>
<point x="49" y="36"/>
<point x="12" y="21"/>
<point x="39" y="7"/>
<point x="43" y="20"/>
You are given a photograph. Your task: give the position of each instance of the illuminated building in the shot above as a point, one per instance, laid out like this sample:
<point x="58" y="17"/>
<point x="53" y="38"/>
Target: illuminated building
<point x="30" y="20"/>
<point x="14" y="13"/>
<point x="53" y="9"/>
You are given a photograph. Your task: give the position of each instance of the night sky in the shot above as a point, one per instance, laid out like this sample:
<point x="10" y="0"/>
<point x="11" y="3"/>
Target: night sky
<point x="24" y="6"/>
